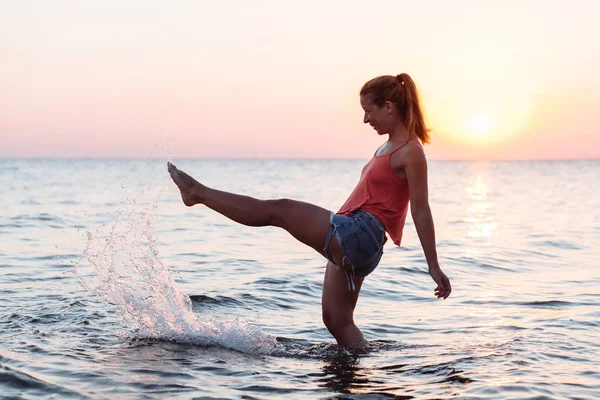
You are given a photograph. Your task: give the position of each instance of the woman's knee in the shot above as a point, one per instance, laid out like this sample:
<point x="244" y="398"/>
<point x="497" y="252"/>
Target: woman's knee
<point x="276" y="210"/>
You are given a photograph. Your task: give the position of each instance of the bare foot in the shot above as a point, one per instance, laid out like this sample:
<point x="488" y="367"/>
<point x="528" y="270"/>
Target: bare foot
<point x="189" y="187"/>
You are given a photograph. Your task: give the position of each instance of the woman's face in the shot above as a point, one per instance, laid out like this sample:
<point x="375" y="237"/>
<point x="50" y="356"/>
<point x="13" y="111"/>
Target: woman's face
<point x="380" y="118"/>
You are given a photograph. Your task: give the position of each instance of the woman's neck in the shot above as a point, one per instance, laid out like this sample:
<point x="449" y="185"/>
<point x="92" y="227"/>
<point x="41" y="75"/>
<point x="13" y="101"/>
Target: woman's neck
<point x="399" y="134"/>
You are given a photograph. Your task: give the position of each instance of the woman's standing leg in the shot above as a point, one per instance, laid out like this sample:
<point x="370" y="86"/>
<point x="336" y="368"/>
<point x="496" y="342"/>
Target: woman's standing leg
<point x="338" y="304"/>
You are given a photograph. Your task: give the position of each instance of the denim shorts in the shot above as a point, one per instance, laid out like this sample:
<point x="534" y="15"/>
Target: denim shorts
<point x="361" y="237"/>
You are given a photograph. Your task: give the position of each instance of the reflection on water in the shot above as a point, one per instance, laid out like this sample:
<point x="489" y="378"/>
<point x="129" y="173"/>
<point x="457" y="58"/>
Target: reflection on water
<point x="403" y="379"/>
<point x="342" y="374"/>
<point x="345" y="375"/>
<point x="480" y="219"/>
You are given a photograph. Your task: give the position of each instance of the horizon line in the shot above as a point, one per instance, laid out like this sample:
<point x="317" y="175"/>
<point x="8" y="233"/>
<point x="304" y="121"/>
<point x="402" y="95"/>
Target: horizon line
<point x="280" y="158"/>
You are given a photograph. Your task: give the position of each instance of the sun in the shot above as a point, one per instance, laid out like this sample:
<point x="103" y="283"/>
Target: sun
<point x="480" y="124"/>
<point x="476" y="108"/>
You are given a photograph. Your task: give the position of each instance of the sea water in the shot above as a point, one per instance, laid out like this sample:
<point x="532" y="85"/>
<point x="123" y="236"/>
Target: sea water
<point x="111" y="287"/>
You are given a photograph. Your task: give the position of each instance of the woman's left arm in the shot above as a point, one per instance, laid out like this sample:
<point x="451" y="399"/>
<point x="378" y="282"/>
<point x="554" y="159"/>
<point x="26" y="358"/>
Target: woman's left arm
<point x="415" y="168"/>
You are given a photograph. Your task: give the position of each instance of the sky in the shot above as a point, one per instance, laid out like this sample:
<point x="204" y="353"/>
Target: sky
<point x="515" y="79"/>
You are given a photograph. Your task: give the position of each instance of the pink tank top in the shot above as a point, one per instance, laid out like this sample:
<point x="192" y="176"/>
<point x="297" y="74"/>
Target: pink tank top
<point x="382" y="193"/>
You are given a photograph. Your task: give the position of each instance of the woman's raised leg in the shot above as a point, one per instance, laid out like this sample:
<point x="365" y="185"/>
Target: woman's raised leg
<point x="306" y="222"/>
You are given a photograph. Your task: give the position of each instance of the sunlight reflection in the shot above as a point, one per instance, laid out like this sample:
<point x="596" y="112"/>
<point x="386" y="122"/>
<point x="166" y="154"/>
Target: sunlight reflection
<point x="479" y="189"/>
<point x="504" y="380"/>
<point x="478" y="311"/>
<point x="480" y="222"/>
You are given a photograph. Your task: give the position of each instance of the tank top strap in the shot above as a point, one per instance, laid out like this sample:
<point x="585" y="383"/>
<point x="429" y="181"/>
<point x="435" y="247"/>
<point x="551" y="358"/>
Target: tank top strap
<point x="404" y="144"/>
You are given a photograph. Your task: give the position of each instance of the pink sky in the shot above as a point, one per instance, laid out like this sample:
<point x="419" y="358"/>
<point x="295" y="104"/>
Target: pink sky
<point x="281" y="79"/>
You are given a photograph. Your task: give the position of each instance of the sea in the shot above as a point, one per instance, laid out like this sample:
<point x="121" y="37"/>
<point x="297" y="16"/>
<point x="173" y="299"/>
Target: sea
<point x="111" y="288"/>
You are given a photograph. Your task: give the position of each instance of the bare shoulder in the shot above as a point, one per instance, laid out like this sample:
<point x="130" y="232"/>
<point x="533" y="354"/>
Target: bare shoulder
<point x="410" y="155"/>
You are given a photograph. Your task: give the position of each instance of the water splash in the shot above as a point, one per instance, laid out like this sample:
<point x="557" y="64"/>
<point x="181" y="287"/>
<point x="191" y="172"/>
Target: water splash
<point x="129" y="274"/>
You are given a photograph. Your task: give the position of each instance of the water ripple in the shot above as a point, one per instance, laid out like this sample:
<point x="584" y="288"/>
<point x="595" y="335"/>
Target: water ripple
<point x="521" y="323"/>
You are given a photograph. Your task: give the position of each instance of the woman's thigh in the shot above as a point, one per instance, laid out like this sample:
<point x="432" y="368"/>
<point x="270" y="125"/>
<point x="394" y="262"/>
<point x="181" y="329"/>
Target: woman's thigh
<point x="337" y="300"/>
<point x="308" y="223"/>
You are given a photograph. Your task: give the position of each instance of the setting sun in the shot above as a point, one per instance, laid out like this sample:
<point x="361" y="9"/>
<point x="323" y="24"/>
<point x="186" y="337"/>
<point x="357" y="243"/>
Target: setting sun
<point x="480" y="124"/>
<point x="487" y="111"/>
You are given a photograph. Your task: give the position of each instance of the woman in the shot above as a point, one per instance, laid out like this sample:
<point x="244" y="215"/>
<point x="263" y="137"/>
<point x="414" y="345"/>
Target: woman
<point x="353" y="238"/>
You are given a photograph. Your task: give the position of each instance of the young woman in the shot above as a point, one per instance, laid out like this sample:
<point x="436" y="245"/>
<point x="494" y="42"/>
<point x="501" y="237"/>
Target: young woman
<point x="352" y="239"/>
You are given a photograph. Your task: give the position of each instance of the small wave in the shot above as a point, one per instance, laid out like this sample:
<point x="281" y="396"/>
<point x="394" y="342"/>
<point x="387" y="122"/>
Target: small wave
<point x="39" y="217"/>
<point x="271" y="281"/>
<point x="490" y="266"/>
<point x="300" y="348"/>
<point x="218" y="300"/>
<point x="548" y="304"/>
<point x="68" y="202"/>
<point x="589" y="323"/>
<point x="29" y="221"/>
<point x="447" y="371"/>
<point x="536" y="304"/>
<point x="20" y="381"/>
<point x="561" y="244"/>
<point x="539" y="254"/>
<point x="15" y="379"/>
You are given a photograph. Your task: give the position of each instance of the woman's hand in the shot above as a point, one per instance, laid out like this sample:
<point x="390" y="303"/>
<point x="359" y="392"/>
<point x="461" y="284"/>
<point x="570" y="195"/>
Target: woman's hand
<point x="443" y="288"/>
